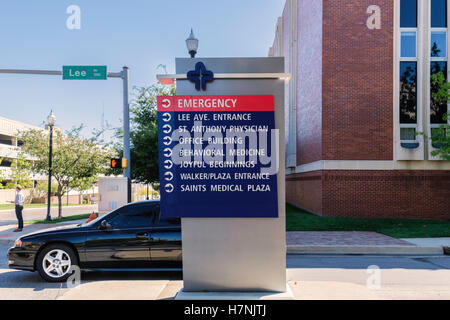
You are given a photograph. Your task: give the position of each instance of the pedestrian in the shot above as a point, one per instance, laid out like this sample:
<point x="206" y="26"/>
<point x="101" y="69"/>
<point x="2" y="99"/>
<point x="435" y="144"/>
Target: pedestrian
<point x="19" y="207"/>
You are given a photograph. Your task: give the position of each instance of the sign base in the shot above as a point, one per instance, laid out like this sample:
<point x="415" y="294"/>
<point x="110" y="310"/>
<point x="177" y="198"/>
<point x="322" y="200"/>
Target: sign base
<point x="288" y="295"/>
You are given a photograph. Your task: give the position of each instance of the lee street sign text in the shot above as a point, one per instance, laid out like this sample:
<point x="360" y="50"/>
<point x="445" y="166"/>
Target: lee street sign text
<point x="84" y="73"/>
<point x="216" y="158"/>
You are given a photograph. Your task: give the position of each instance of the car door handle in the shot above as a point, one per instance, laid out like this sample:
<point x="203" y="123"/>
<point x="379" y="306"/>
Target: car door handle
<point x="142" y="235"/>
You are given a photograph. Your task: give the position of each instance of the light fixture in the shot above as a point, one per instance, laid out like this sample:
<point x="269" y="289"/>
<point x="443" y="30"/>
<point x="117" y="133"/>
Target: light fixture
<point x="192" y="44"/>
<point x="51" y="119"/>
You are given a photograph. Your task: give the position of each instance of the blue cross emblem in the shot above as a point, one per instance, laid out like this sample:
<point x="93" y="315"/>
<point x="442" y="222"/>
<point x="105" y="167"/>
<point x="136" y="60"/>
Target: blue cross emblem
<point x="200" y="76"/>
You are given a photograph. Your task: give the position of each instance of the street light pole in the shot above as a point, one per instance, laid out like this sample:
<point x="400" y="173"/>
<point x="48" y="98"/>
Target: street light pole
<point x="50" y="122"/>
<point x="126" y="129"/>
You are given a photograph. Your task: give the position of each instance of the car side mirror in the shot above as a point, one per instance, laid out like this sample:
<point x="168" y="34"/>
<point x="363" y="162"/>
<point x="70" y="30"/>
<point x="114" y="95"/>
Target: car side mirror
<point x="104" y="225"/>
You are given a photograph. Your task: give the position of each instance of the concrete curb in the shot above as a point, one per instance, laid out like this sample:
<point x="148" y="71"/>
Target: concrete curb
<point x="331" y="249"/>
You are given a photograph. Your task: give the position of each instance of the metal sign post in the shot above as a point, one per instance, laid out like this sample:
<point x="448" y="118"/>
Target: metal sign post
<point x="95" y="73"/>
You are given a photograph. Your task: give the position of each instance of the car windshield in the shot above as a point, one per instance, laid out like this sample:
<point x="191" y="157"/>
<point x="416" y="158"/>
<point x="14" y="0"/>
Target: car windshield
<point x="90" y="223"/>
<point x="119" y="210"/>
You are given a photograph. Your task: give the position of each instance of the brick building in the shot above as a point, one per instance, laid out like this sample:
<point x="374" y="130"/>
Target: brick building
<point x="360" y="89"/>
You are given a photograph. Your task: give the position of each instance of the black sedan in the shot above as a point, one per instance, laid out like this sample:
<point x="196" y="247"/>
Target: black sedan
<point x="133" y="237"/>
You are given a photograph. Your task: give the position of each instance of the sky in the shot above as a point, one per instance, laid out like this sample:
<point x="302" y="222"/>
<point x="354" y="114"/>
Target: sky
<point x="140" y="34"/>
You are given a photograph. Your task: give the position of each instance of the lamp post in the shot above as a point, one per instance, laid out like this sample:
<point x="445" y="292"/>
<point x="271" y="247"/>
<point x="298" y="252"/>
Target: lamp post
<point x="192" y="44"/>
<point x="51" y="119"/>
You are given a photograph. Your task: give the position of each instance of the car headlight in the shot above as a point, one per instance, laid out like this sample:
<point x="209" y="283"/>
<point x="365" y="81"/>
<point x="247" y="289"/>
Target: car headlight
<point x="18" y="243"/>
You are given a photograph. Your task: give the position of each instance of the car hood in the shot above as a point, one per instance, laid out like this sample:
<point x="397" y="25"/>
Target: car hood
<point x="55" y="230"/>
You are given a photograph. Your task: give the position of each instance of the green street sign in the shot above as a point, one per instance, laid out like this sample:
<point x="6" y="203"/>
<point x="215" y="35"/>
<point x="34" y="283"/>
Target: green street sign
<point x="84" y="73"/>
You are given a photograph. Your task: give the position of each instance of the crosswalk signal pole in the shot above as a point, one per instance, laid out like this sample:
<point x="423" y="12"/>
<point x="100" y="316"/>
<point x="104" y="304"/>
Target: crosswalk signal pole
<point x="126" y="129"/>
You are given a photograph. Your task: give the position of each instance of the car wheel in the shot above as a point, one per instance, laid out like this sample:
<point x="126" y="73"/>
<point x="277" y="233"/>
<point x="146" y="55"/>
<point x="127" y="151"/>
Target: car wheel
<point x="55" y="261"/>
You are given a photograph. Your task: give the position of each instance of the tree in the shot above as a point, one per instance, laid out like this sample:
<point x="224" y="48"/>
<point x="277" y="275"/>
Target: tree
<point x="440" y="137"/>
<point x="76" y="160"/>
<point x="144" y="134"/>
<point x="20" y="173"/>
<point x="1" y="175"/>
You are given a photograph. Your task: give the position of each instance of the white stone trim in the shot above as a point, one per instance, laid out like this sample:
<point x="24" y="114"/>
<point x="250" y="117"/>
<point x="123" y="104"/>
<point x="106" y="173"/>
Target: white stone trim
<point x="356" y="165"/>
<point x="291" y="88"/>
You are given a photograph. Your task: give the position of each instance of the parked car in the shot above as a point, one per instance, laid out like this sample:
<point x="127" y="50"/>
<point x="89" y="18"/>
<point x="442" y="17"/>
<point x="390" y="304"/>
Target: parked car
<point x="133" y="237"/>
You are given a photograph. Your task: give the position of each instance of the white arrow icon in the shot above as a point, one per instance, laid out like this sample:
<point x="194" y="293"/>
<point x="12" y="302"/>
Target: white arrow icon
<point x="168" y="176"/>
<point x="166" y="117"/>
<point x="167" y="140"/>
<point x="166" y="103"/>
<point x="168" y="164"/>
<point x="169" y="188"/>
<point x="166" y="128"/>
<point x="167" y="152"/>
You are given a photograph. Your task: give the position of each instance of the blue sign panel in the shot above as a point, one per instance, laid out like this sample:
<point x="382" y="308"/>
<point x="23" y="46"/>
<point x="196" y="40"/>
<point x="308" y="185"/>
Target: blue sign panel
<point x="217" y="156"/>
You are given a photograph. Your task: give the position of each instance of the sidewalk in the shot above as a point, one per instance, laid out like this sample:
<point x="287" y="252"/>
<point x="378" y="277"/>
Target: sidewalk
<point x="9" y="216"/>
<point x="330" y="242"/>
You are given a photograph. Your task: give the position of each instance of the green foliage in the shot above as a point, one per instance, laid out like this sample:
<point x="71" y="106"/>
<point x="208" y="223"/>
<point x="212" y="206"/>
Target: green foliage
<point x="144" y="134"/>
<point x="42" y="188"/>
<point x="299" y="220"/>
<point x="440" y="137"/>
<point x="76" y="161"/>
<point x="20" y="173"/>
<point x="441" y="93"/>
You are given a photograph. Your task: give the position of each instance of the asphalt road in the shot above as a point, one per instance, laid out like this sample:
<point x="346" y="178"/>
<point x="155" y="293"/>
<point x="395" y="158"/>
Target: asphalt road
<point x="40" y="213"/>
<point x="309" y="277"/>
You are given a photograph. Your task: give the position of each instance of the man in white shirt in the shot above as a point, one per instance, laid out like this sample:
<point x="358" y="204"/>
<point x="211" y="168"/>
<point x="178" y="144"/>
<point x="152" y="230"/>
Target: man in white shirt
<point x="20" y="198"/>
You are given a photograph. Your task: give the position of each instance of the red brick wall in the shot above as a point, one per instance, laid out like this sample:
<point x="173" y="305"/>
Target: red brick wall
<point x="305" y="191"/>
<point x="357" y="106"/>
<point x="373" y="194"/>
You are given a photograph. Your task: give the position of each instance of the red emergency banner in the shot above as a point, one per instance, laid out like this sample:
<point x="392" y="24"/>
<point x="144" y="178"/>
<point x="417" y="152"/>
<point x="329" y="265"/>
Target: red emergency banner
<point x="246" y="103"/>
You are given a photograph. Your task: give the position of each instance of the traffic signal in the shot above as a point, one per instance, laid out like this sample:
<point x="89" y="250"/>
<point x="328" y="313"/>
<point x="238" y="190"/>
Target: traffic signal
<point x="119" y="163"/>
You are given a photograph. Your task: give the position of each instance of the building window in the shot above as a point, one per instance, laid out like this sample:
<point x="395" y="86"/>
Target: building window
<point x="408" y="44"/>
<point x="408" y="73"/>
<point x="438" y="57"/>
<point x="6" y="163"/>
<point x="437" y="109"/>
<point x="408" y="14"/>
<point x="439" y="13"/>
<point x="408" y="92"/>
